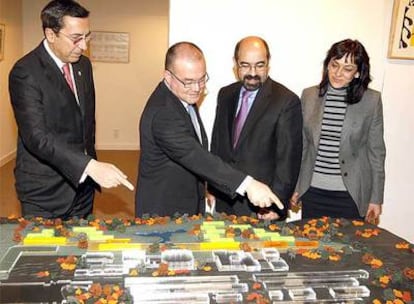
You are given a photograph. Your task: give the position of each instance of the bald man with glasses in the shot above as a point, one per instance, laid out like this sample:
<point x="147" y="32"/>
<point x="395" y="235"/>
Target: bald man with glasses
<point x="175" y="162"/>
<point x="53" y="99"/>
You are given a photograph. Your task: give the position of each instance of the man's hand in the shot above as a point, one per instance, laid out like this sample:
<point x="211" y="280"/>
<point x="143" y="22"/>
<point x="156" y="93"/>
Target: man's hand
<point x="107" y="175"/>
<point x="265" y="214"/>
<point x="260" y="195"/>
<point x="373" y="213"/>
<point x="295" y="204"/>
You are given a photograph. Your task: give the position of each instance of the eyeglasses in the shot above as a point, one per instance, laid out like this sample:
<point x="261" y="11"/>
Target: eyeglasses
<point x="77" y="38"/>
<point x="189" y="83"/>
<point x="257" y="67"/>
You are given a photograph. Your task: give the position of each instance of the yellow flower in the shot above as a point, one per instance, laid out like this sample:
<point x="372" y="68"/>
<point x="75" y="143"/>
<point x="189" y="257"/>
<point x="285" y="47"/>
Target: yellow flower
<point x="397" y="293"/>
<point x="385" y="279"/>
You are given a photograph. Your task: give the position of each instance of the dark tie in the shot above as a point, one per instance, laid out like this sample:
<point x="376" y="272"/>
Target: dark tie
<point x="193" y="115"/>
<point x="241" y="116"/>
<point x="66" y="74"/>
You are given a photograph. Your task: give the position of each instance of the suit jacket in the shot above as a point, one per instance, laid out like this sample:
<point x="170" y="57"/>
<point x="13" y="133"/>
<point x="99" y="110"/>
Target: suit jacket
<point x="56" y="136"/>
<point x="270" y="144"/>
<point x="174" y="165"/>
<point x="362" y="148"/>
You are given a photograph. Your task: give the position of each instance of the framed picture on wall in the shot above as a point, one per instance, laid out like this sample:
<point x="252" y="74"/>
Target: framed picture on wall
<point x="109" y="47"/>
<point x="401" y="43"/>
<point x="2" y="41"/>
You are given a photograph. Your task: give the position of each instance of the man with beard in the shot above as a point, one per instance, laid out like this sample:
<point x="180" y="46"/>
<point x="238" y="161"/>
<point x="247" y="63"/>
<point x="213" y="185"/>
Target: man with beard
<point x="53" y="99"/>
<point x="174" y="161"/>
<point x="258" y="130"/>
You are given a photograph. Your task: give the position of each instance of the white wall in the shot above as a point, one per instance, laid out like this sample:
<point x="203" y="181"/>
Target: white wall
<point x="299" y="33"/>
<point x="122" y="89"/>
<point x="10" y="16"/>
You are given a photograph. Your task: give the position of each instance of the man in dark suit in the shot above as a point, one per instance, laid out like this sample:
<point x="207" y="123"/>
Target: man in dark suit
<point x="53" y="99"/>
<point x="268" y="144"/>
<point x="175" y="162"/>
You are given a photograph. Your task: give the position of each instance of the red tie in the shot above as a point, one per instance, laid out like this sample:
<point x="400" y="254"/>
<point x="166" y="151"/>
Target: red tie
<point x="66" y="74"/>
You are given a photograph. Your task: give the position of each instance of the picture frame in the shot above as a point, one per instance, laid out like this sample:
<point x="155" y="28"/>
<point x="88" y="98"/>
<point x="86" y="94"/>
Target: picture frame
<point x="401" y="42"/>
<point x="2" y="40"/>
<point x="109" y="47"/>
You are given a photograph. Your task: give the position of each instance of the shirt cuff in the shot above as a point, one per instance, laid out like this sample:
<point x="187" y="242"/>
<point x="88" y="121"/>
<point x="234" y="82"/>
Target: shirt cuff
<point x="243" y="186"/>
<point x="84" y="174"/>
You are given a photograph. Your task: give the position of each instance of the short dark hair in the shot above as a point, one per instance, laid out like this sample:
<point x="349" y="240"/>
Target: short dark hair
<point x="173" y="52"/>
<point x="237" y="48"/>
<point x="352" y="49"/>
<point x="53" y="13"/>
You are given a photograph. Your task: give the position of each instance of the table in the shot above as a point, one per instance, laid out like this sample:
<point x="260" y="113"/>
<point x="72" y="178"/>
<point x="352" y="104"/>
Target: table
<point x="346" y="250"/>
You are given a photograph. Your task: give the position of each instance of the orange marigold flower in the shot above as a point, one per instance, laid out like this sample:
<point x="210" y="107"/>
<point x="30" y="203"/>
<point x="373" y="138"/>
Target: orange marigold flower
<point x="273" y="227"/>
<point x="253" y="296"/>
<point x="42" y="274"/>
<point x="376" y="301"/>
<point x="257" y="286"/>
<point x="67" y="266"/>
<point x="402" y="245"/>
<point x="357" y="223"/>
<point x="406" y="296"/>
<point x="335" y="257"/>
<point x="107" y="290"/>
<point x="367" y="258"/>
<point x="385" y="279"/>
<point x="96" y="289"/>
<point x="376" y="263"/>
<point x="311" y="255"/>
<point x="150" y="221"/>
<point x="245" y="247"/>
<point x="409" y="273"/>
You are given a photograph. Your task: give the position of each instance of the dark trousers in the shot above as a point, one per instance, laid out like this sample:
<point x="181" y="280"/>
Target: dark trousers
<point x="80" y="207"/>
<point x="317" y="203"/>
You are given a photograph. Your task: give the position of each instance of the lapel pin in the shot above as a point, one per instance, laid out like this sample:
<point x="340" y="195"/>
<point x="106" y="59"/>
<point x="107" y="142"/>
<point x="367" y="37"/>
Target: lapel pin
<point x="79" y="73"/>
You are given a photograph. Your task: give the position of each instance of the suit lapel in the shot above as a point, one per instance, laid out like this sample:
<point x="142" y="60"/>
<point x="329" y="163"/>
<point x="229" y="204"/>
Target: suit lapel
<point x="80" y="89"/>
<point x="55" y="75"/>
<point x="316" y="117"/>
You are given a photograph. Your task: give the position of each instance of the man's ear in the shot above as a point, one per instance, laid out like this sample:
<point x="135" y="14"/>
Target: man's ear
<point x="167" y="76"/>
<point x="50" y="35"/>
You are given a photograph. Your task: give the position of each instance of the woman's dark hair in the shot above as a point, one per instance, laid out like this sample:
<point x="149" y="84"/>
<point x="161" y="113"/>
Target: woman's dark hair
<point x="353" y="50"/>
<point x="53" y="13"/>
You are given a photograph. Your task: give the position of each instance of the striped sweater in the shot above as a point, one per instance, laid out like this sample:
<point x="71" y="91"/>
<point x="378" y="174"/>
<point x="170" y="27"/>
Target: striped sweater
<point x="327" y="170"/>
